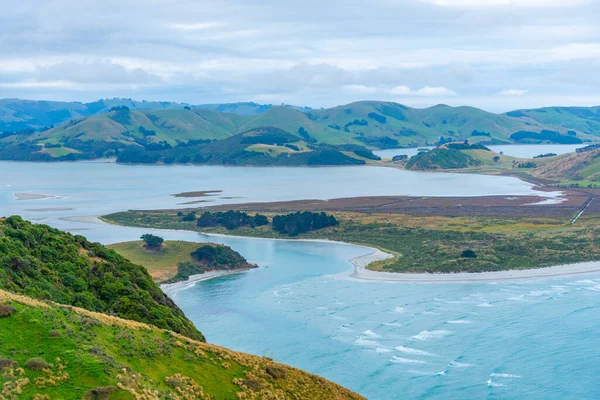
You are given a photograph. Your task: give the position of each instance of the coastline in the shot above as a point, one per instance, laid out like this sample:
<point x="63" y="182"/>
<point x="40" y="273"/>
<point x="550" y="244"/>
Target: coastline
<point x="360" y="272"/>
<point x="172" y="288"/>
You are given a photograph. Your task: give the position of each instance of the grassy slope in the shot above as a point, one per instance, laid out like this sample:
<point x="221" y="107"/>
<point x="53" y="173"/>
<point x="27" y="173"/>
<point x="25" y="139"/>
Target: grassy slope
<point x="90" y="350"/>
<point x="404" y="125"/>
<point x="45" y="263"/>
<point x="433" y="244"/>
<point x="162" y="264"/>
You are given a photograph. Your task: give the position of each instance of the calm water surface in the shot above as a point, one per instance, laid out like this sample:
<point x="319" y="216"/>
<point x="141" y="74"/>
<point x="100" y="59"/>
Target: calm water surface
<point x="521" y="150"/>
<point x="535" y="339"/>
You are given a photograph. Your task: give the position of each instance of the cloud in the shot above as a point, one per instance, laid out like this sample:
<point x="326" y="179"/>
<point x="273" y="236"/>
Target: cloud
<point x="308" y="53"/>
<point x="512" y="92"/>
<point x="511" y="3"/>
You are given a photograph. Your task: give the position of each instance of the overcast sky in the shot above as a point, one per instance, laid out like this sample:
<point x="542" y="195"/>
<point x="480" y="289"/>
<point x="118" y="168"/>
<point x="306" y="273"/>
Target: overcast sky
<point x="493" y="54"/>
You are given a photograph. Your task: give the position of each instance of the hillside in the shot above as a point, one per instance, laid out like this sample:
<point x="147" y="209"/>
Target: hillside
<point x="49" y="351"/>
<point x="581" y="168"/>
<point x="48" y="264"/>
<point x="260" y="147"/>
<point x="96" y="130"/>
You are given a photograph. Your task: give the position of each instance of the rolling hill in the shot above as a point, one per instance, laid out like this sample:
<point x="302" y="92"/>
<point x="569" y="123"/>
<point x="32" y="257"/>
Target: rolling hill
<point x="372" y="124"/>
<point x="77" y="320"/>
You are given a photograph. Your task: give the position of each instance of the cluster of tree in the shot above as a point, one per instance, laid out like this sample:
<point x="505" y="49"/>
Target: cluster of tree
<point x="302" y="222"/>
<point x="480" y="133"/>
<point x="382" y="142"/>
<point x="379" y="118"/>
<point x="210" y="257"/>
<point x="400" y="157"/>
<point x="588" y="148"/>
<point x="466" y="146"/>
<point x="231" y="219"/>
<point x="545" y="155"/>
<point x="152" y="242"/>
<point x="357" y="122"/>
<point x="45" y="263"/>
<point x="306" y="136"/>
<point x="545" y="135"/>
<point x="525" y="164"/>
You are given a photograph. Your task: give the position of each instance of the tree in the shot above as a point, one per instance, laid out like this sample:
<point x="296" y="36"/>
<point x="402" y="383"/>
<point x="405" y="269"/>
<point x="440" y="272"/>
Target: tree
<point x="468" y="254"/>
<point x="496" y="158"/>
<point x="152" y="242"/>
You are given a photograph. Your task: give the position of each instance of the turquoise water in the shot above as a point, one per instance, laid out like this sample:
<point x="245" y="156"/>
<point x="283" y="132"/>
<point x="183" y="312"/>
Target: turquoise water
<point x="535" y="339"/>
<point x="521" y="150"/>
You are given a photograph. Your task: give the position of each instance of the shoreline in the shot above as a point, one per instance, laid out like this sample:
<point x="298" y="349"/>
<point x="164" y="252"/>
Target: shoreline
<point x="172" y="288"/>
<point x="360" y="272"/>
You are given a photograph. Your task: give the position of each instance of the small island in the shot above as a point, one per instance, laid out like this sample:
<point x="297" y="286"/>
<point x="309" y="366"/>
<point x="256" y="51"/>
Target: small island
<point x="176" y="261"/>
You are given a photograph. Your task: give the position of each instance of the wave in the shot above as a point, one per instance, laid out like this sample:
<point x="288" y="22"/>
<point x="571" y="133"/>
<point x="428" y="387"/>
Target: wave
<point x="430" y="335"/>
<point x="503" y="375"/>
<point x="402" y="360"/>
<point x="484" y="305"/>
<point x="409" y="350"/>
<point x="381" y="350"/>
<point x="461" y="365"/>
<point x="493" y="384"/>
<point x="459" y="321"/>
<point x="371" y="334"/>
<point x="392" y="324"/>
<point x="366" y="342"/>
<point x="399" y="309"/>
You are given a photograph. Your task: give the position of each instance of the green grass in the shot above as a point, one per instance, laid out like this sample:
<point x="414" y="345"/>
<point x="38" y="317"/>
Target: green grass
<point x="89" y="350"/>
<point x="161" y="264"/>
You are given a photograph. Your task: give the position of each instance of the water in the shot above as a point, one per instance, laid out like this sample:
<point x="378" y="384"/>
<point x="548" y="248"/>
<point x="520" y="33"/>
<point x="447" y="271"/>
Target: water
<point x="535" y="339"/>
<point x="521" y="150"/>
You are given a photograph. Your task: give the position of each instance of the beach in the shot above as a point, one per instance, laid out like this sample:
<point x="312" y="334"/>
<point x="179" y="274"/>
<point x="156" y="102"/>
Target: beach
<point x="360" y="272"/>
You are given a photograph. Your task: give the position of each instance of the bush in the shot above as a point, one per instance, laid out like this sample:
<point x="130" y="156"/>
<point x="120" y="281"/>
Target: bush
<point x="7" y="363"/>
<point x="468" y="254"/>
<point x="276" y="373"/>
<point x="99" y="393"/>
<point x="55" y="333"/>
<point x="6" y="310"/>
<point x="152" y="241"/>
<point x="36" y="364"/>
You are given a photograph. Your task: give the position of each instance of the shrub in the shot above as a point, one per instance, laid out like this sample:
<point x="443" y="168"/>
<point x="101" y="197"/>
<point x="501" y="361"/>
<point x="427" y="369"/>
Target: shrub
<point x="99" y="393"/>
<point x="468" y="254"/>
<point x="55" y="333"/>
<point x="7" y="363"/>
<point x="6" y="310"/>
<point x="276" y="373"/>
<point x="36" y="364"/>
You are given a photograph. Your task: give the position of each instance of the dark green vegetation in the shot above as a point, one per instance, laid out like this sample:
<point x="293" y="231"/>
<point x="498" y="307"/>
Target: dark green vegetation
<point x="442" y="158"/>
<point x="49" y="351"/>
<point x="45" y="263"/>
<point x="289" y="224"/>
<point x="152" y="242"/>
<point x="209" y="257"/>
<point x="437" y="243"/>
<point x="302" y="222"/>
<point x="229" y="219"/>
<point x="215" y="134"/>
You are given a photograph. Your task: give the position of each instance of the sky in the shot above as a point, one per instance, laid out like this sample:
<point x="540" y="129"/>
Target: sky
<point x="498" y="55"/>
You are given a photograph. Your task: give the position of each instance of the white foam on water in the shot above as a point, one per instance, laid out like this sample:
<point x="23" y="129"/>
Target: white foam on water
<point x="409" y="350"/>
<point x="399" y="309"/>
<point x="461" y="365"/>
<point x="392" y="324"/>
<point x="370" y="333"/>
<point x="430" y="335"/>
<point x="493" y="384"/>
<point x="459" y="322"/>
<point x="503" y="375"/>
<point x="484" y="305"/>
<point x="367" y="343"/>
<point x="442" y="373"/>
<point x="382" y="350"/>
<point x="421" y="373"/>
<point x="429" y="313"/>
<point x="402" y="360"/>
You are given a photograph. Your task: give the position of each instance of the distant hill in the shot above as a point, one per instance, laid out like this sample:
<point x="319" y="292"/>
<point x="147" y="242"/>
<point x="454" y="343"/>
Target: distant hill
<point x="120" y="124"/>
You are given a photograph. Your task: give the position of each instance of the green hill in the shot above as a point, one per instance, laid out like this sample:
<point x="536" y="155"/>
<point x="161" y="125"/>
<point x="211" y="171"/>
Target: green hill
<point x="97" y="131"/>
<point x="51" y="351"/>
<point x="45" y="263"/>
